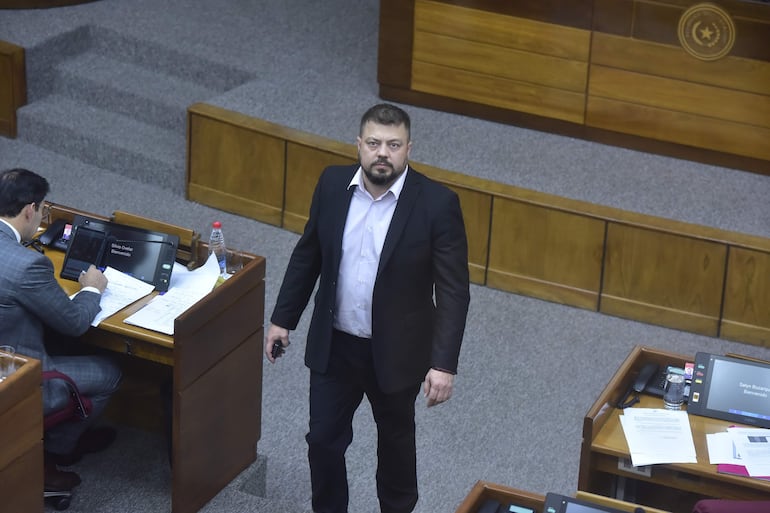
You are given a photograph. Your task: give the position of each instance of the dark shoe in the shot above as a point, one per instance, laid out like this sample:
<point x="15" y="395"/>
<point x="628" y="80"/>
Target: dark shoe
<point x="93" y="440"/>
<point x="56" y="480"/>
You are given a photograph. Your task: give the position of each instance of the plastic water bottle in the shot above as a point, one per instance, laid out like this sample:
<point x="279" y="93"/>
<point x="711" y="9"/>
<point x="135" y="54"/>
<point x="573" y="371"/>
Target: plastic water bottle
<point x="217" y="245"/>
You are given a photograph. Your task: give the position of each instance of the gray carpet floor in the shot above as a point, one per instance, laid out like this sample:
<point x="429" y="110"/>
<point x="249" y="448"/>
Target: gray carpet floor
<point x="529" y="369"/>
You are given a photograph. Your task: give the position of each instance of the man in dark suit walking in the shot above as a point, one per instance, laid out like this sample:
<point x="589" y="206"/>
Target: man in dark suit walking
<point x="388" y="248"/>
<point x="31" y="300"/>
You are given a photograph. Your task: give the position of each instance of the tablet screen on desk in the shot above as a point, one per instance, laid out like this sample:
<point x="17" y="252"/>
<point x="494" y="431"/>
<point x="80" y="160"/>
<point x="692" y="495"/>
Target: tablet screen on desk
<point x="86" y="249"/>
<point x="731" y="389"/>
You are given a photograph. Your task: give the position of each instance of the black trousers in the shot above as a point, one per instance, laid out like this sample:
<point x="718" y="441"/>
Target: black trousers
<point x="334" y="398"/>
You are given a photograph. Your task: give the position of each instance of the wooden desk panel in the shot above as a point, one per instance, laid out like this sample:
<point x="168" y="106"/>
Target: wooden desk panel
<point x="21" y="430"/>
<point x="604" y="445"/>
<point x="484" y="490"/>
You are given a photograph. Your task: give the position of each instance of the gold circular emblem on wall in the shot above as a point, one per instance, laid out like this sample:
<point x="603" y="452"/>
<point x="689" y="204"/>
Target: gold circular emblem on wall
<point x="706" y="32"/>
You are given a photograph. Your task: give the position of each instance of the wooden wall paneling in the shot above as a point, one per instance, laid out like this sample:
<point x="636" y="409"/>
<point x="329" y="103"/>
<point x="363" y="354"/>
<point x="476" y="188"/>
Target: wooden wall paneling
<point x="234" y="166"/>
<point x="545" y="252"/>
<point x="663" y="278"/>
<point x="477" y="213"/>
<point x="506" y="94"/>
<point x="657" y="270"/>
<point x="304" y="165"/>
<point x="683" y="128"/>
<point x="394" y="50"/>
<point x="504" y="61"/>
<point x="13" y="86"/>
<point x="498" y="61"/>
<point x="657" y="21"/>
<point x="730" y="72"/>
<point x="746" y="311"/>
<point x="675" y="95"/>
<point x="501" y="30"/>
<point x="613" y="16"/>
<point x="576" y="13"/>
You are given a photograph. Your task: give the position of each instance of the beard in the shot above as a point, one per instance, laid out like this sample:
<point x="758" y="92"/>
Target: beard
<point x="382" y="179"/>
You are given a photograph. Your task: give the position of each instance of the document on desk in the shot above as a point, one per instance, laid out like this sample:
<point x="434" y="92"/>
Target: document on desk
<point x="657" y="436"/>
<point x="187" y="288"/>
<point x="121" y="291"/>
<point x="741" y="451"/>
<point x="752" y="448"/>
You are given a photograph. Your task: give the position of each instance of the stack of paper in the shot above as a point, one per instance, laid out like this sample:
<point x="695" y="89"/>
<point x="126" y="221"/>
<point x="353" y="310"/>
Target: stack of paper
<point x="187" y="288"/>
<point x="121" y="291"/>
<point x="741" y="451"/>
<point x="658" y="436"/>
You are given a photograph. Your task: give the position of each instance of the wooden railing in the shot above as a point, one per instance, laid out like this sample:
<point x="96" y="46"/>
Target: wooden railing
<point x="661" y="271"/>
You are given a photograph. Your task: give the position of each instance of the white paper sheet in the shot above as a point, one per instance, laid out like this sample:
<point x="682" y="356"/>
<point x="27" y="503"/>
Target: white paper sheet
<point x="121" y="291"/>
<point x="720" y="447"/>
<point x="658" y="436"/>
<point x="187" y="288"/>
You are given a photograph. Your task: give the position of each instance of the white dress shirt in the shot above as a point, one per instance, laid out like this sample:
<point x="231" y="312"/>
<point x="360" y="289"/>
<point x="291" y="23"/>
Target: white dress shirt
<point x="365" y="230"/>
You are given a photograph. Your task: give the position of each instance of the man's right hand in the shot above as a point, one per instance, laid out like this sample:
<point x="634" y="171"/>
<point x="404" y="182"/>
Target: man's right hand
<point x="275" y="335"/>
<point x="93" y="277"/>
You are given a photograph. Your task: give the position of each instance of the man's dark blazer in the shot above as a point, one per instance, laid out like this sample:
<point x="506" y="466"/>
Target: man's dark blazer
<point x="425" y="251"/>
<point x="31" y="298"/>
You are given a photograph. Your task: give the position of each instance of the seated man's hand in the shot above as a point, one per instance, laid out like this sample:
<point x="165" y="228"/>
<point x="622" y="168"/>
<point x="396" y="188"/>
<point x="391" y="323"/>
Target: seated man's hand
<point x="93" y="277"/>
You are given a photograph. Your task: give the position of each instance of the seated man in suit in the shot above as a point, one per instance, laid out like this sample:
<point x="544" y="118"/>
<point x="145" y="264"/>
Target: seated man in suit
<point x="31" y="301"/>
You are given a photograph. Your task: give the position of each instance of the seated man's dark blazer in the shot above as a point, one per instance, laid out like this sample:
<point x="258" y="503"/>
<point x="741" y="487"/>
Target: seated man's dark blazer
<point x="425" y="246"/>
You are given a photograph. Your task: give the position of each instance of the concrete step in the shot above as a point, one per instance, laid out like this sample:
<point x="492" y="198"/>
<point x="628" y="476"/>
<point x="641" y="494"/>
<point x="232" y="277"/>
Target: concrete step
<point x="211" y="74"/>
<point x="106" y="139"/>
<point x="42" y="60"/>
<point x="128" y="89"/>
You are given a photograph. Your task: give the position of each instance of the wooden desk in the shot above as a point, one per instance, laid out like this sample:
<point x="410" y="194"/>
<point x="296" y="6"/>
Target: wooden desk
<point x="675" y="486"/>
<point x="484" y="490"/>
<point x="21" y="420"/>
<point x="214" y="362"/>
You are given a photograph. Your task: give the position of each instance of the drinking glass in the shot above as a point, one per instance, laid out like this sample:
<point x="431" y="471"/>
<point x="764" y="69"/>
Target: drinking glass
<point x="7" y="361"/>
<point x="673" y="396"/>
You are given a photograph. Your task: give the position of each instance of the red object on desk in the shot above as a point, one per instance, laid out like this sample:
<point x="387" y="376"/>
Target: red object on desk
<point x="737" y="470"/>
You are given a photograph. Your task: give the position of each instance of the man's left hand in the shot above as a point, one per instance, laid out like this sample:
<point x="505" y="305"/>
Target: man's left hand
<point x="438" y="386"/>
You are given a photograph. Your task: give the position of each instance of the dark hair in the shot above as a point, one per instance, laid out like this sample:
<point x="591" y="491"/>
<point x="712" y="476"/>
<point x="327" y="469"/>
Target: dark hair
<point x="387" y="114"/>
<point x="18" y="188"/>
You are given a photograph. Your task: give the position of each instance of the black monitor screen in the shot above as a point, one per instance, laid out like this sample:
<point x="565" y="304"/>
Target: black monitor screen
<point x="732" y="389"/>
<point x="144" y="254"/>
